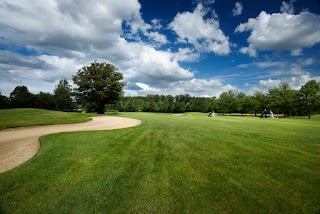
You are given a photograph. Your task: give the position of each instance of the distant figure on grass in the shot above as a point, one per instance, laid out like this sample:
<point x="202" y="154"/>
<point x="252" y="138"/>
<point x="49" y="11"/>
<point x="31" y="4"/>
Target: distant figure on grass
<point x="212" y="113"/>
<point x="264" y="113"/>
<point x="271" y="114"/>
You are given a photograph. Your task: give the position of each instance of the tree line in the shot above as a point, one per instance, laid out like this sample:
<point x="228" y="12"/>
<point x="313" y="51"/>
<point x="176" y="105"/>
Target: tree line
<point x="21" y="97"/>
<point x="281" y="100"/>
<point x="100" y="88"/>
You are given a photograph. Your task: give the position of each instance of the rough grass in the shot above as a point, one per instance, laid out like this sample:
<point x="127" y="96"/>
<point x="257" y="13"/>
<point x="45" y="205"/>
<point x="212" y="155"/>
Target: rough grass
<point x="10" y="118"/>
<point x="185" y="163"/>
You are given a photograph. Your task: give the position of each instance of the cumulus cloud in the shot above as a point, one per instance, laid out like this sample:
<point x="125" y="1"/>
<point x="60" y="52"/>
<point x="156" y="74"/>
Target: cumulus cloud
<point x="287" y="7"/>
<point x="276" y="72"/>
<point x="62" y="26"/>
<point x="237" y="10"/>
<point x="148" y="65"/>
<point x="295" y="82"/>
<point x="193" y="87"/>
<point x="281" y="31"/>
<point x="250" y="50"/>
<point x="147" y="89"/>
<point x="138" y="26"/>
<point x="67" y="35"/>
<point x="204" y="34"/>
<point x="186" y="55"/>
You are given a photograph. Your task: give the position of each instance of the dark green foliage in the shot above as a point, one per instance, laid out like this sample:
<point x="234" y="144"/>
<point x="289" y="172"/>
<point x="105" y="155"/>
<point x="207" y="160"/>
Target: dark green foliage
<point x="20" y="97"/>
<point x="309" y="95"/>
<point x="4" y="102"/>
<point x="98" y="84"/>
<point x="62" y="96"/>
<point x="45" y="101"/>
<point x="228" y="101"/>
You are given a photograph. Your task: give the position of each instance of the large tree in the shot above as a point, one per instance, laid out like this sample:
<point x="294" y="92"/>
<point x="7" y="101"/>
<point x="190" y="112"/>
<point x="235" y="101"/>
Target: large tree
<point x="310" y="97"/>
<point x="99" y="84"/>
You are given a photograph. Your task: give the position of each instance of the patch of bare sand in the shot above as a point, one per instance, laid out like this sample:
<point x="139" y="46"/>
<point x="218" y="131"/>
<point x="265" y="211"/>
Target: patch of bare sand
<point x="18" y="145"/>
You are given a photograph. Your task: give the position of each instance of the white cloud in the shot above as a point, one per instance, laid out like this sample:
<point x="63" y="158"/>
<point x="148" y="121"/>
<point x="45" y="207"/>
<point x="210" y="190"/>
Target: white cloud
<point x="147" y="89"/>
<point x="296" y="52"/>
<point x="157" y="37"/>
<point x="147" y="65"/>
<point x="266" y="64"/>
<point x="138" y="25"/>
<point x="282" y="31"/>
<point x="186" y="55"/>
<point x="237" y="10"/>
<point x="266" y="84"/>
<point x="156" y="24"/>
<point x="307" y="62"/>
<point x="287" y="8"/>
<point x="204" y="34"/>
<point x="193" y="87"/>
<point x="251" y="51"/>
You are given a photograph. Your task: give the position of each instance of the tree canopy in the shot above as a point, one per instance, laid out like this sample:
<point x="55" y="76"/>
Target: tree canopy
<point x="98" y="84"/>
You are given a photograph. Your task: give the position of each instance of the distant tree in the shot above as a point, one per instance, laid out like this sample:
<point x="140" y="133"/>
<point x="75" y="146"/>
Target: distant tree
<point x="163" y="106"/>
<point x="251" y="104"/>
<point x="199" y="104"/>
<point x="179" y="107"/>
<point x="45" y="101"/>
<point x="99" y="84"/>
<point x="62" y="96"/>
<point x="227" y="101"/>
<point x="20" y="97"/>
<point x="4" y="102"/>
<point x="260" y="101"/>
<point x="241" y="105"/>
<point x="282" y="98"/>
<point x="310" y="97"/>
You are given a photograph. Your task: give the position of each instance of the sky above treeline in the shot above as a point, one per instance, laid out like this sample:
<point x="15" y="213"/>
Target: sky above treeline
<point x="196" y="47"/>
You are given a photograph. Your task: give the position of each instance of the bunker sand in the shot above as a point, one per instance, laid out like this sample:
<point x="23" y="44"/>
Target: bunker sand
<point x="18" y="145"/>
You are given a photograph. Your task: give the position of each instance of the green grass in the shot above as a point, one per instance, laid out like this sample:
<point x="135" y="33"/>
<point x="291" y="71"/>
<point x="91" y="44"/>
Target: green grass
<point x="10" y="118"/>
<point x="186" y="163"/>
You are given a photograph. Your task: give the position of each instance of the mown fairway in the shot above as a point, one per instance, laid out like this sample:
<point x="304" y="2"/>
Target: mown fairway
<point x="186" y="163"/>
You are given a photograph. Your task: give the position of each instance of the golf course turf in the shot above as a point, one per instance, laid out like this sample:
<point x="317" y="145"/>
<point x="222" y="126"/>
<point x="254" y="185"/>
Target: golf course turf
<point x="173" y="163"/>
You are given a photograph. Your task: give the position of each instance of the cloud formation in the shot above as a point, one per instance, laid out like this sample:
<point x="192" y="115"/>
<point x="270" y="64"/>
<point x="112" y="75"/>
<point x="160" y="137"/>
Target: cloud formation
<point x="287" y="7"/>
<point x="281" y="31"/>
<point x="203" y="34"/>
<point x="65" y="38"/>
<point x="43" y="43"/>
<point x="237" y="10"/>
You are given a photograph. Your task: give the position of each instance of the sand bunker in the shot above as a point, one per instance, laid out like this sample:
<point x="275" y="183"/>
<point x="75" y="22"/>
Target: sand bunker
<point x="18" y="145"/>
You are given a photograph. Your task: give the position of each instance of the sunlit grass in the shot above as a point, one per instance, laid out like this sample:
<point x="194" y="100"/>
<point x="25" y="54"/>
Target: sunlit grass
<point x="186" y="163"/>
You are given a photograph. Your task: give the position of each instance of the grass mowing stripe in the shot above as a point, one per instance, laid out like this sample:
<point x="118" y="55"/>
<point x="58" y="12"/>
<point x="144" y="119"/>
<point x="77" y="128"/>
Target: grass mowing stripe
<point x="173" y="164"/>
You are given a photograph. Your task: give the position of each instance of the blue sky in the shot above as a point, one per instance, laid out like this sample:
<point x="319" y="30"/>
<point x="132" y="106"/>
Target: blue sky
<point x="196" y="47"/>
